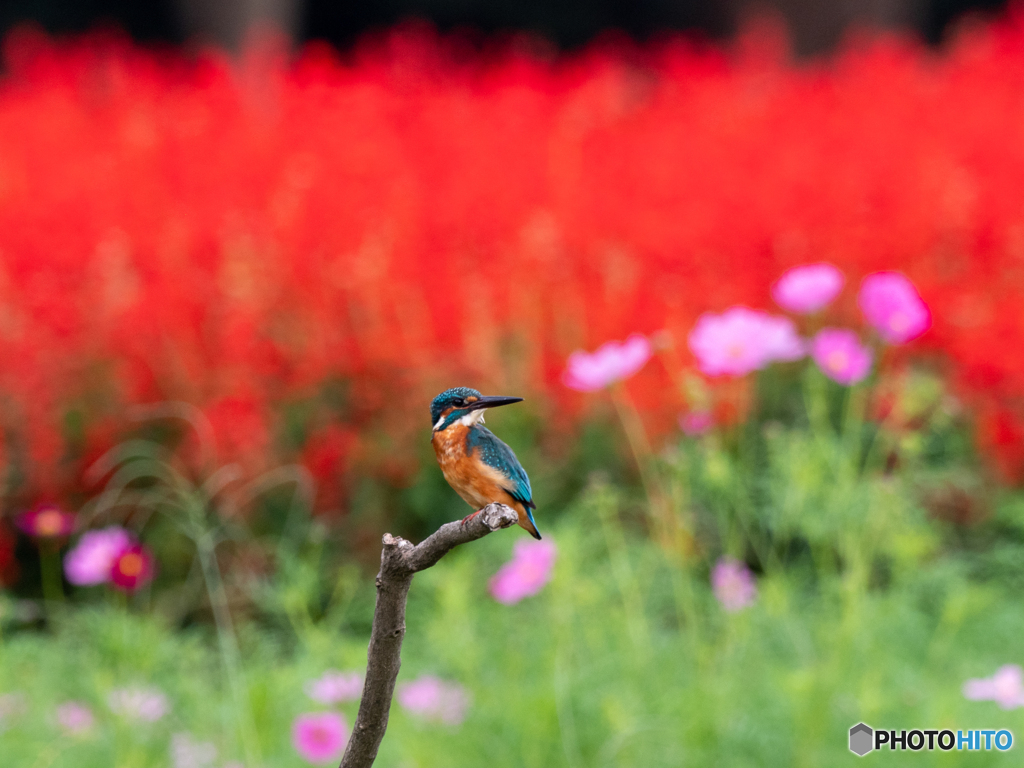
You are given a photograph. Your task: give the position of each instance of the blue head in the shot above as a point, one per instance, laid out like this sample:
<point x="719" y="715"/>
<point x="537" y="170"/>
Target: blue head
<point x="465" y="404"/>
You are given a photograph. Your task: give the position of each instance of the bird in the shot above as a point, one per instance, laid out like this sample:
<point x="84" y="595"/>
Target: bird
<point x="480" y="467"/>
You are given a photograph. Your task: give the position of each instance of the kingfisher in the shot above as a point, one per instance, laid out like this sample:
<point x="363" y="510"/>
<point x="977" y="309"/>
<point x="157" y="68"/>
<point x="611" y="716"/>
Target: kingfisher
<point x="480" y="467"/>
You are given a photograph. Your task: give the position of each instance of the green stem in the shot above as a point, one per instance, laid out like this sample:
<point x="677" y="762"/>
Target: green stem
<point x="686" y="606"/>
<point x="816" y="408"/>
<point x="49" y="568"/>
<point x="563" y="710"/>
<point x="743" y="501"/>
<point x="671" y="535"/>
<point x="228" y="642"/>
<point x="629" y="590"/>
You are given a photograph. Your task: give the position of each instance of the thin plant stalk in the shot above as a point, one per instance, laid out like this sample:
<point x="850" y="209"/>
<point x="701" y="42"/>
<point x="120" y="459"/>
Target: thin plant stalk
<point x="743" y="500"/>
<point x="670" y="533"/>
<point x="816" y="408"/>
<point x="563" y="711"/>
<point x="562" y="626"/>
<point x="629" y="589"/>
<point x="228" y="642"/>
<point x="49" y="571"/>
<point x="682" y="578"/>
<point x="686" y="605"/>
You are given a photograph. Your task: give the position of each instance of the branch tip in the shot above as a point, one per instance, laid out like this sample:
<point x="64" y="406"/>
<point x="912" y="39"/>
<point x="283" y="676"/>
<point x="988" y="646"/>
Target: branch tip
<point x="400" y="560"/>
<point x="496" y="516"/>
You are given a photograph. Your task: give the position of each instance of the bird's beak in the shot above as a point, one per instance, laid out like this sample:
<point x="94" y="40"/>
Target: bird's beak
<point x="492" y="402"/>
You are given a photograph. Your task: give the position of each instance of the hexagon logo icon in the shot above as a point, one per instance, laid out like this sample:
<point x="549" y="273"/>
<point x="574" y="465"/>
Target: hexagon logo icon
<point x="861" y="739"/>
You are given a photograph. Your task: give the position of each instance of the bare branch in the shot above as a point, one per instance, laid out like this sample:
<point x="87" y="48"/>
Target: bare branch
<point x="399" y="560"/>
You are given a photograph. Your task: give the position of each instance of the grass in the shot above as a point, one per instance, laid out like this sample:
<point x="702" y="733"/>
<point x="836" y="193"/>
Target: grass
<point x="869" y="608"/>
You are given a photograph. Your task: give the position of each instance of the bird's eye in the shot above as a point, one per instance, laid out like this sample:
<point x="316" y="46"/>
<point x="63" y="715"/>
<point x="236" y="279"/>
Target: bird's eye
<point x="459" y="402"/>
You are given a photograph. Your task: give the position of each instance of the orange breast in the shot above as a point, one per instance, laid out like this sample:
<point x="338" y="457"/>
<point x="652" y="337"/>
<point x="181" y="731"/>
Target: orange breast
<point x="477" y="483"/>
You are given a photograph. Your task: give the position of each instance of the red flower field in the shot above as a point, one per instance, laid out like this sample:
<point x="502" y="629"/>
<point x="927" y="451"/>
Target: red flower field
<point x="294" y="247"/>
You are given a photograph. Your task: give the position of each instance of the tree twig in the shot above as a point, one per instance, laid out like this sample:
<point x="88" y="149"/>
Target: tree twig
<point x="399" y="561"/>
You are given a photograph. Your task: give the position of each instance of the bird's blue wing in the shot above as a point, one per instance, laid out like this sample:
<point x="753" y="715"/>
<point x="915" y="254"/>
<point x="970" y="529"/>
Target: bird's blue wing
<point x="496" y="454"/>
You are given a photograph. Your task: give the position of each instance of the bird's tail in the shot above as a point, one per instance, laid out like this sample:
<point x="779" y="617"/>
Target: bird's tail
<point x="532" y="527"/>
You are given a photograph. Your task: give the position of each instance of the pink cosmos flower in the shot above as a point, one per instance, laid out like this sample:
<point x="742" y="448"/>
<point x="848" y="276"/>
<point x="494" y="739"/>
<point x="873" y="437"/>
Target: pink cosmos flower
<point x="696" y="422"/>
<point x="90" y="561"/>
<point x="781" y="341"/>
<point x="590" y="371"/>
<point x="132" y="568"/>
<point x="841" y="356"/>
<point x="334" y="687"/>
<point x="434" y="699"/>
<point x="74" y="718"/>
<point x="47" y="521"/>
<point x="138" y="703"/>
<point x="1005" y="687"/>
<point x="741" y="340"/>
<point x="733" y="584"/>
<point x="891" y="304"/>
<point x="808" y="288"/>
<point x="526" y="573"/>
<point x="186" y="752"/>
<point x="320" y="737"/>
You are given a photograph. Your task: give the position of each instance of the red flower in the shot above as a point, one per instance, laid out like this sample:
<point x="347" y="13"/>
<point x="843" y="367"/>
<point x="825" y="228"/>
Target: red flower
<point x="46" y="521"/>
<point x="163" y="241"/>
<point x="132" y="568"/>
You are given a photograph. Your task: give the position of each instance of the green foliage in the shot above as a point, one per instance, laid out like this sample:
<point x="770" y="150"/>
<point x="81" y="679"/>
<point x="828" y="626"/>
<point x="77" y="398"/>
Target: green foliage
<point x="623" y="660"/>
<point x="875" y="603"/>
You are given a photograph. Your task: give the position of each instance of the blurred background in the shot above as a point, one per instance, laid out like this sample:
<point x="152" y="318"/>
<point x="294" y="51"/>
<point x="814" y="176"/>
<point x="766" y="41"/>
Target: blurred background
<point x="815" y="25"/>
<point x="755" y="268"/>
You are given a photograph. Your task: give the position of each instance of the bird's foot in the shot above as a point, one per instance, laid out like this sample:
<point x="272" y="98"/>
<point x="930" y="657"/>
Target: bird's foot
<point x="470" y="516"/>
